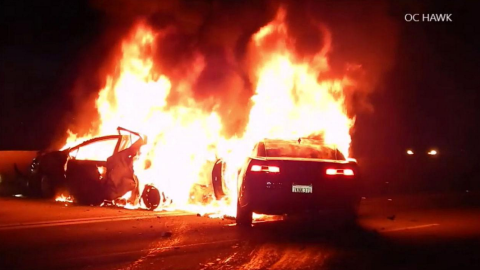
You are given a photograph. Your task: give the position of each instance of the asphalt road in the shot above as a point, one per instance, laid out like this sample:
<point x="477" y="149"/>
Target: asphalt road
<point x="391" y="234"/>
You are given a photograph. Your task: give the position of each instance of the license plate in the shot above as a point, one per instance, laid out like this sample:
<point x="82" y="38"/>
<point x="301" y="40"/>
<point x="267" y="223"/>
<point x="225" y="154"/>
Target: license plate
<point x="302" y="189"/>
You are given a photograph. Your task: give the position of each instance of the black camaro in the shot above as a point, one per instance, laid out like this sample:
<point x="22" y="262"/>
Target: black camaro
<point x="293" y="176"/>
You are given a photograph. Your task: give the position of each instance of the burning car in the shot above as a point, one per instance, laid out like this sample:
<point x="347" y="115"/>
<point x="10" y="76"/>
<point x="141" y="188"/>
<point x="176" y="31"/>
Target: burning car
<point x="293" y="176"/>
<point x="94" y="171"/>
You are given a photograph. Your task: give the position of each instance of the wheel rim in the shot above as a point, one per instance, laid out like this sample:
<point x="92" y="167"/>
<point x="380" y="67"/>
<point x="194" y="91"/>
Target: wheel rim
<point x="151" y="197"/>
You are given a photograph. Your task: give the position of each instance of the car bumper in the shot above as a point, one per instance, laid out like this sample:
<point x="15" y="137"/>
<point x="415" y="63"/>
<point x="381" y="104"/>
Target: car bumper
<point x="282" y="200"/>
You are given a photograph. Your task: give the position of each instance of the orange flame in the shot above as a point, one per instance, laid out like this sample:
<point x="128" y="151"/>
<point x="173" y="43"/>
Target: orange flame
<point x="63" y="198"/>
<point x="184" y="139"/>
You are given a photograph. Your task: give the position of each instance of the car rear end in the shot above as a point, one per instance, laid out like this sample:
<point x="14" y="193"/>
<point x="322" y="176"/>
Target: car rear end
<point x="283" y="185"/>
<point x="291" y="186"/>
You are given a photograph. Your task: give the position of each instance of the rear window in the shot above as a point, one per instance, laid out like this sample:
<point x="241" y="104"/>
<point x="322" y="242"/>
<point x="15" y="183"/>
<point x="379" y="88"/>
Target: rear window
<point x="304" y="149"/>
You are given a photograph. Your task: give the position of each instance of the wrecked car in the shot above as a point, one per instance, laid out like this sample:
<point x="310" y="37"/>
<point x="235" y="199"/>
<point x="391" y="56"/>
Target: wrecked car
<point x="93" y="172"/>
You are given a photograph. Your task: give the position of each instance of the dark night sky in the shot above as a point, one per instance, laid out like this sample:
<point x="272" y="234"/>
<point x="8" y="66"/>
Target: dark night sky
<point x="428" y="98"/>
<point x="41" y="48"/>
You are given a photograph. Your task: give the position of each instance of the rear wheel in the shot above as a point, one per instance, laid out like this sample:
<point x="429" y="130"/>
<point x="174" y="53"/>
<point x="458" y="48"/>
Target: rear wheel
<point x="244" y="215"/>
<point x="347" y="217"/>
<point x="47" y="187"/>
<point x="350" y="217"/>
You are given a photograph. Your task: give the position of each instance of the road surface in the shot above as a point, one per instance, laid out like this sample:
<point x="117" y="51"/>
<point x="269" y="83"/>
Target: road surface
<point x="389" y="235"/>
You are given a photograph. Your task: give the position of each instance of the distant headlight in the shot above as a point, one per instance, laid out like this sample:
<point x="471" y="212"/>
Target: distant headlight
<point x="432" y="152"/>
<point x="409" y="152"/>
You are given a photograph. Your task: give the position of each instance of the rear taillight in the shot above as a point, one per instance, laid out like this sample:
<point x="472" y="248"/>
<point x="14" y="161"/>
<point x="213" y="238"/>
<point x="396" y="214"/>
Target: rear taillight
<point x="340" y="172"/>
<point x="271" y="169"/>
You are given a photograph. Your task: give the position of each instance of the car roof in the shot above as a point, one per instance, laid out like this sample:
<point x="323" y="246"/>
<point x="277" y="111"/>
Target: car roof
<point x="296" y="141"/>
<point x="103" y="138"/>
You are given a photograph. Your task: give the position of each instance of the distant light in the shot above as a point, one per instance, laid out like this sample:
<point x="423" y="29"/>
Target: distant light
<point x="409" y="152"/>
<point x="432" y="152"/>
<point x="18" y="195"/>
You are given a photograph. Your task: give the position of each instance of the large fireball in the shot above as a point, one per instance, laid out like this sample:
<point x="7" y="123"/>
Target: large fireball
<point x="185" y="138"/>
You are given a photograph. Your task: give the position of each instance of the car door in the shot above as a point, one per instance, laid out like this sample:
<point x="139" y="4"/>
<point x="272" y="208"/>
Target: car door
<point x="120" y="175"/>
<point x="87" y="166"/>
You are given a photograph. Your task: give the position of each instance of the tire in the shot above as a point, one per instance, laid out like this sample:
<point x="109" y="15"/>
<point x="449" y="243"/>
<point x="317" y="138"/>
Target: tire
<point x="33" y="187"/>
<point x="244" y="216"/>
<point x="348" y="217"/>
<point x="217" y="180"/>
<point x="151" y="197"/>
<point x="219" y="189"/>
<point x="47" y="187"/>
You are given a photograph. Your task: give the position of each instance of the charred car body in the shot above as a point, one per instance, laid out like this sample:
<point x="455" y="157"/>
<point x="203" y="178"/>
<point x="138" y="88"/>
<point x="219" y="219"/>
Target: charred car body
<point x="92" y="172"/>
<point x="293" y="177"/>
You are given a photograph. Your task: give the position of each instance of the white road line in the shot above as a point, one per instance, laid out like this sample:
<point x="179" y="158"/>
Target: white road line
<point x="412" y="227"/>
<point x="53" y="223"/>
